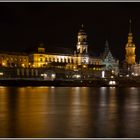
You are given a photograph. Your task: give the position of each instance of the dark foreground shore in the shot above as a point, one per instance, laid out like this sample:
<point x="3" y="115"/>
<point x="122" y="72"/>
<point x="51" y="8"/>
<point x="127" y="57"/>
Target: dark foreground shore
<point x="56" y="83"/>
<point x="72" y="83"/>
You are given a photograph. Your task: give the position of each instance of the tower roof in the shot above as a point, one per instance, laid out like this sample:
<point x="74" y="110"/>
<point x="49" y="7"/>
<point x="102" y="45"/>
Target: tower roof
<point x="107" y="51"/>
<point x="107" y="46"/>
<point x="82" y="31"/>
<point x="130" y="25"/>
<point x="130" y="48"/>
<point x="130" y="36"/>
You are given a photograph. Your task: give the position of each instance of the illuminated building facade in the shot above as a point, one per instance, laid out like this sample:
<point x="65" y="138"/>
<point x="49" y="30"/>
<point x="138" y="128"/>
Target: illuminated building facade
<point x="130" y="67"/>
<point x="14" y="59"/>
<point x="71" y="61"/>
<point x="135" y="70"/>
<point x="130" y="49"/>
<point x="31" y="64"/>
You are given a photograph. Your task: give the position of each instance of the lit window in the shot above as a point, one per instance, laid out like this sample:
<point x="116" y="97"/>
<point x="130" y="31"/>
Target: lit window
<point x="23" y="65"/>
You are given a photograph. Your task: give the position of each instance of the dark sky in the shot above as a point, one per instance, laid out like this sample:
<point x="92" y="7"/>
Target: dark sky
<point x="24" y="25"/>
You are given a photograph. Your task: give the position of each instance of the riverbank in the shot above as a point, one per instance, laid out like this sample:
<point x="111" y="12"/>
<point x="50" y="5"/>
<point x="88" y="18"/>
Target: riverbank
<point x="70" y="83"/>
<point x="56" y="83"/>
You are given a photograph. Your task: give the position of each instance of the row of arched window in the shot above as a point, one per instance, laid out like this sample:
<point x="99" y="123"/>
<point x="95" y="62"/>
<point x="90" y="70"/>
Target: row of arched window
<point x="60" y="60"/>
<point x="14" y="58"/>
<point x="66" y="60"/>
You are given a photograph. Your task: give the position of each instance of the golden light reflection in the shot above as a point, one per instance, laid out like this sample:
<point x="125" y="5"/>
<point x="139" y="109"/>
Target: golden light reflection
<point x="106" y="117"/>
<point x="101" y="110"/>
<point x="69" y="111"/>
<point x="112" y="99"/>
<point x="112" y="113"/>
<point x="131" y="114"/>
<point x="103" y="98"/>
<point x="4" y="112"/>
<point x="31" y="110"/>
<point x="79" y="112"/>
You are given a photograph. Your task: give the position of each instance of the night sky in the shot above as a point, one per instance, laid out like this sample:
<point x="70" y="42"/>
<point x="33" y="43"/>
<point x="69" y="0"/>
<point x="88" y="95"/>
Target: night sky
<point x="24" y="25"/>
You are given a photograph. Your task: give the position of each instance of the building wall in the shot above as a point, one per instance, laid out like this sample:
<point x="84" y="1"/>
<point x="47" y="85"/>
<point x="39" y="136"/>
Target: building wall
<point x="135" y="70"/>
<point x="38" y="60"/>
<point x="13" y="60"/>
<point x="41" y="60"/>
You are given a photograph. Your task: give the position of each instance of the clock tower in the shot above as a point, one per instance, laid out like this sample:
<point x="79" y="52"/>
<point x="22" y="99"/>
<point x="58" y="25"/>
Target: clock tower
<point x="82" y="45"/>
<point x="130" y="48"/>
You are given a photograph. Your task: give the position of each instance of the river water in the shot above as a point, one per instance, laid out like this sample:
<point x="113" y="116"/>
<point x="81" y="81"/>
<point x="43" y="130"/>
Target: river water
<point x="69" y="112"/>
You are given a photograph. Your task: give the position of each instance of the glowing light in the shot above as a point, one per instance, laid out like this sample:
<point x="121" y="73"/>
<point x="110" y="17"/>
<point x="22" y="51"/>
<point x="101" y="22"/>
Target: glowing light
<point x="127" y="75"/>
<point x="136" y="74"/>
<point x="103" y="74"/>
<point x="112" y="76"/>
<point x="112" y="83"/>
<point x="3" y="64"/>
<point x="132" y="73"/>
<point x="78" y="76"/>
<point x="84" y="66"/>
<point x="23" y="65"/>
<point x="1" y="73"/>
<point x="53" y="76"/>
<point x="112" y="71"/>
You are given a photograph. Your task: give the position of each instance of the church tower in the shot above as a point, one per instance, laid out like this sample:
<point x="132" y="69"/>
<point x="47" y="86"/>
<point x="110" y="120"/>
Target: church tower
<point x="82" y="46"/>
<point x="130" y="48"/>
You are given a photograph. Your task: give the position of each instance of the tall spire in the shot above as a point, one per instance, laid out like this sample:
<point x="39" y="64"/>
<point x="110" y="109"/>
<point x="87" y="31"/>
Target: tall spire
<point x="82" y="25"/>
<point x="130" y="21"/>
<point x="107" y="44"/>
<point x="107" y="53"/>
<point x="130" y="36"/>
<point x="130" y="47"/>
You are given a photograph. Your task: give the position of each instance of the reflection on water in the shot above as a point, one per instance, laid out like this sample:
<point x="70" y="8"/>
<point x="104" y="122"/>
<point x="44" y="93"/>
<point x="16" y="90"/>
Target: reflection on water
<point x="69" y="112"/>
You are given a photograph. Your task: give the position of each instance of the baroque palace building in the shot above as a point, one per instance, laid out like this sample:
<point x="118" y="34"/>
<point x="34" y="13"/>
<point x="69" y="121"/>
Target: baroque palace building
<point x="71" y="61"/>
<point x="80" y="59"/>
